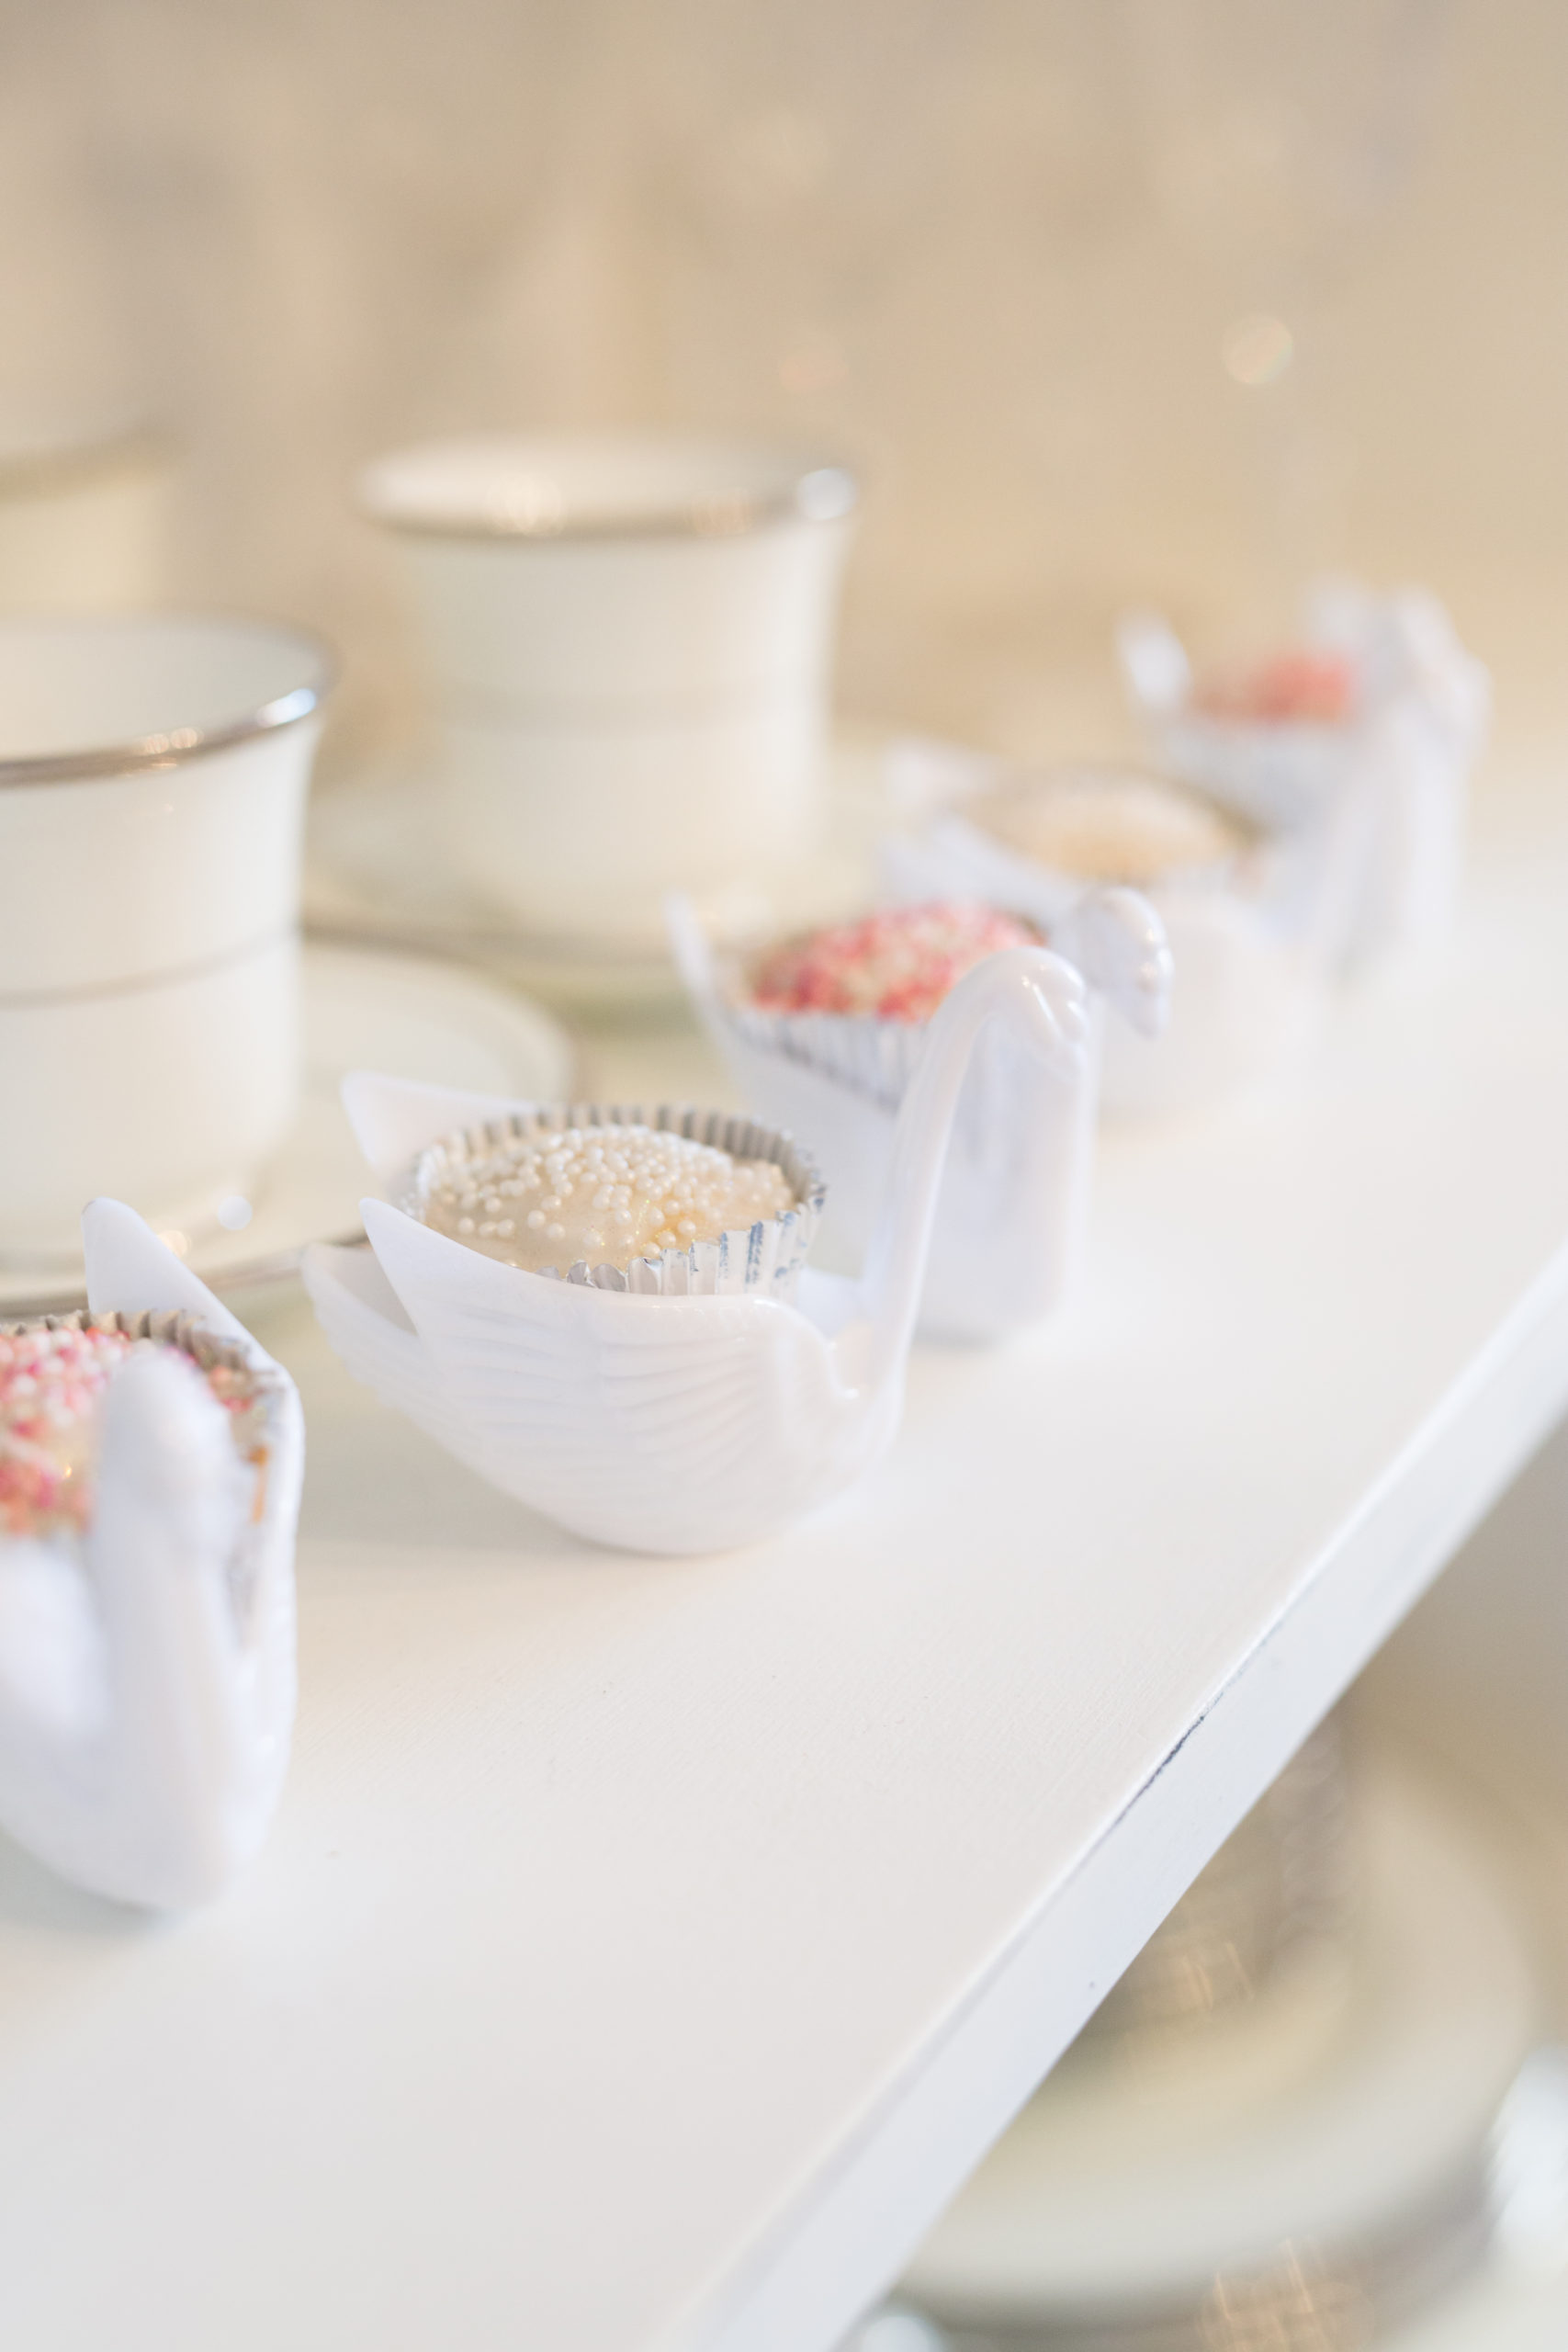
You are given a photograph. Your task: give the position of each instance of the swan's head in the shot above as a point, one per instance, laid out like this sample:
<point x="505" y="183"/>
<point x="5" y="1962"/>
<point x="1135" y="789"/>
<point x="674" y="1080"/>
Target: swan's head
<point x="1041" y="997"/>
<point x="1118" y="942"/>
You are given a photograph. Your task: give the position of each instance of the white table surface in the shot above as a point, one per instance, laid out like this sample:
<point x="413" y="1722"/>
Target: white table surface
<point x="646" y="1950"/>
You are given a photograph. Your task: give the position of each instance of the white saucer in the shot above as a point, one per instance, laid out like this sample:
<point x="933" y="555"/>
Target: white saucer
<point x="377" y="873"/>
<point x="410" y="1016"/>
<point x="1129" y="2188"/>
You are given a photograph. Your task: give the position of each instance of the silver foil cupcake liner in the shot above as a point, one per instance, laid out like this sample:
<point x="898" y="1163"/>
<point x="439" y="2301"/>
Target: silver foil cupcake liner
<point x="762" y="1260"/>
<point x="870" y="1056"/>
<point x="209" y="1351"/>
<point x="168" y="1326"/>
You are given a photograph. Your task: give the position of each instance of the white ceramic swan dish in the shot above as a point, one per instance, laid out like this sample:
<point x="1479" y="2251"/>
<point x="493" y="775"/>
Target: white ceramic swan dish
<point x="1387" y="786"/>
<point x="1013" y="1201"/>
<point x="147" y="1677"/>
<point x="1250" y="942"/>
<point x="664" y="1424"/>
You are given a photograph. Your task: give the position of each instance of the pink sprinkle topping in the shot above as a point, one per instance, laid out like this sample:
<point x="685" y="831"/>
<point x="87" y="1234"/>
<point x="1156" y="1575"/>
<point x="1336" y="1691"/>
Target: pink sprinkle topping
<point x="51" y="1383"/>
<point x="1301" y="684"/>
<point x="897" y="965"/>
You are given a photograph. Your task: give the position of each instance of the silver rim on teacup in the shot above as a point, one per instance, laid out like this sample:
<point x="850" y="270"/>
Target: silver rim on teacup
<point x="814" y="487"/>
<point x="765" y="1258"/>
<point x="177" y="745"/>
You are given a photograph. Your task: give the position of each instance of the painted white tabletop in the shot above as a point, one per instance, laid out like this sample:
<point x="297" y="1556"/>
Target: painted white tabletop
<point x="647" y="1949"/>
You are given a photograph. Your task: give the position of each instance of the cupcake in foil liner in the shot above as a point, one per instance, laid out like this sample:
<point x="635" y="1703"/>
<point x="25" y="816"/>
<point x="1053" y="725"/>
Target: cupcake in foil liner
<point x="1362" y="734"/>
<point x="763" y="1257"/>
<point x="1253" y="914"/>
<point x="873" y="1053"/>
<point x="47" y="1485"/>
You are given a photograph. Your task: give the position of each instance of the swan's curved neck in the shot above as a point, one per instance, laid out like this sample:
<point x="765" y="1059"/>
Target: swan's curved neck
<point x="1026" y="987"/>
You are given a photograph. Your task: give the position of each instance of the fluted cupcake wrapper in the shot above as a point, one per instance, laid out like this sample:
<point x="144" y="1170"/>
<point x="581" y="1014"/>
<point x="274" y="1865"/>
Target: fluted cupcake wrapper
<point x="762" y="1260"/>
<point x="209" y="1351"/>
<point x="1011" y="1209"/>
<point x="172" y="1327"/>
<point x="871" y="1058"/>
<point x="874" y="1057"/>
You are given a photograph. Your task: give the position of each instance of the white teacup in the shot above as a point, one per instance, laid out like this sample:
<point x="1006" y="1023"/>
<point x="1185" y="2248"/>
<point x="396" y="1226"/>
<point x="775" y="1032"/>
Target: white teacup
<point x="631" y="639"/>
<point x="152" y="782"/>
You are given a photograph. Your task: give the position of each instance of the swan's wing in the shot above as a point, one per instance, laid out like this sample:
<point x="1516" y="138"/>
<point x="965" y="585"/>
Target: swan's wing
<point x="394" y="1118"/>
<point x="359" y="1311"/>
<point x="664" y="1424"/>
<point x="130" y="1269"/>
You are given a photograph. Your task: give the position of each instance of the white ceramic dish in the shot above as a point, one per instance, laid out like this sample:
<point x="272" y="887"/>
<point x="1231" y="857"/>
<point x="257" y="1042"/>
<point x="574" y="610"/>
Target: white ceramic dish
<point x="1250" y="949"/>
<point x="629" y="638"/>
<point x="662" y="1424"/>
<point x="1392" y="775"/>
<point x="421" y="1018"/>
<point x="153" y="780"/>
<point x="1013" y="1205"/>
<point x="379" y="870"/>
<point x="147" y="1668"/>
<point x="1356" y="2121"/>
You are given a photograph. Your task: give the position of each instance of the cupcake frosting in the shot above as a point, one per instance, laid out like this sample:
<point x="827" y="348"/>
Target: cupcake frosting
<point x="1107" y="828"/>
<point x="1304" y="684"/>
<point x="895" y="965"/>
<point x="549" y="1199"/>
<point x="53" y="1379"/>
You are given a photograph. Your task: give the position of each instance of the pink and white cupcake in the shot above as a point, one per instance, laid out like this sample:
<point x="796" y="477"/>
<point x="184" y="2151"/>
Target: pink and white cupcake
<point x="54" y="1375"/>
<point x="150" y="1474"/>
<point x="822" y="1034"/>
<point x="1364" y="732"/>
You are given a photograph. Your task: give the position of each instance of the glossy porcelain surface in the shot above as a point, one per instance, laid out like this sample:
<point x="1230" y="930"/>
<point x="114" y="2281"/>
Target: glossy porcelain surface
<point x="146" y="1698"/>
<point x="1392" y="778"/>
<point x="1250" y="948"/>
<point x="1007" y="1243"/>
<point x="629" y="642"/>
<point x="153" y="784"/>
<point x="666" y="1424"/>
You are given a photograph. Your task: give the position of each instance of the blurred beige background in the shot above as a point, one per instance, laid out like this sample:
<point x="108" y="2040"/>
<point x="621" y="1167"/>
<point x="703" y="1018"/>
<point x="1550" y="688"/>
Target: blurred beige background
<point x="1033" y="262"/>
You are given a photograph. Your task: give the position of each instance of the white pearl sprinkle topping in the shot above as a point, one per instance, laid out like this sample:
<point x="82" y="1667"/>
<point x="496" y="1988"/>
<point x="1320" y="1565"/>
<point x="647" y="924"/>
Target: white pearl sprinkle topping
<point x="609" y="1195"/>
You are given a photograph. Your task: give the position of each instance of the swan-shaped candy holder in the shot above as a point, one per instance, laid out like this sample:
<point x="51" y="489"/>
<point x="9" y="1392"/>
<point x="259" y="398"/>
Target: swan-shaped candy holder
<point x="1012" y="1207"/>
<point x="1251" y="941"/>
<point x="664" y="1423"/>
<point x="1386" y="788"/>
<point x="147" y="1667"/>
